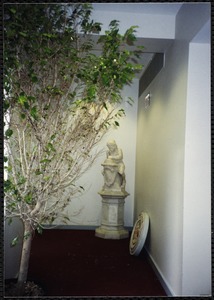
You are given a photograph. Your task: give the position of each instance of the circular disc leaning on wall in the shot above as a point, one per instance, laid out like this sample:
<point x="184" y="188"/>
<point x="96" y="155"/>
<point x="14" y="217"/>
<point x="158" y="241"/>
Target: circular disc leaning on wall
<point x="139" y="234"/>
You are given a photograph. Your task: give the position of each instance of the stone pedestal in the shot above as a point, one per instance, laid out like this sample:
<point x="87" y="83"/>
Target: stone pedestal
<point x="113" y="194"/>
<point x="112" y="216"/>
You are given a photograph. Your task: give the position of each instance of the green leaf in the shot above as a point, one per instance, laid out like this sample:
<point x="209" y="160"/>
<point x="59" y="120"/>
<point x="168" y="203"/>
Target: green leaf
<point x="22" y="99"/>
<point x="38" y="172"/>
<point x="22" y="116"/>
<point x="46" y="107"/>
<point x="48" y="50"/>
<point x="23" y="34"/>
<point x="66" y="218"/>
<point x="52" y="219"/>
<point x="114" y="23"/>
<point x="92" y="91"/>
<point x="34" y="113"/>
<point x="105" y="106"/>
<point x="22" y="180"/>
<point x="26" y="105"/>
<point x="50" y="147"/>
<point x="6" y="105"/>
<point x="34" y="78"/>
<point x="49" y="35"/>
<point x="8" y="168"/>
<point x="10" y="221"/>
<point x="13" y="10"/>
<point x="45" y="160"/>
<point x="53" y="136"/>
<point x="7" y="185"/>
<point x="39" y="229"/>
<point x="105" y="79"/>
<point x="8" y="133"/>
<point x="14" y="241"/>
<point x="26" y="235"/>
<point x="116" y="123"/>
<point x="122" y="111"/>
<point x="28" y="198"/>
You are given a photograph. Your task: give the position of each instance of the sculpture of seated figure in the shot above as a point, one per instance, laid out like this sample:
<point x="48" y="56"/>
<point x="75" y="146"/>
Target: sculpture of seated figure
<point x="114" y="175"/>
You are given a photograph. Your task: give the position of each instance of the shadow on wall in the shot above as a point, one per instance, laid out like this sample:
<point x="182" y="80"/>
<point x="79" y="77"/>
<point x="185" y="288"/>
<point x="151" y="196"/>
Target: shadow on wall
<point x="12" y="254"/>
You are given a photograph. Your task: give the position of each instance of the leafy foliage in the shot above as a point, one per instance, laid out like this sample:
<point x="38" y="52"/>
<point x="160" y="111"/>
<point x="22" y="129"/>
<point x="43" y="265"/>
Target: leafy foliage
<point x="60" y="99"/>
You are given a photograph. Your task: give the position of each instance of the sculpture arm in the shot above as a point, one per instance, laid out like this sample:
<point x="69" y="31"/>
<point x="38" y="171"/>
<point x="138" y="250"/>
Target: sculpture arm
<point x="118" y="156"/>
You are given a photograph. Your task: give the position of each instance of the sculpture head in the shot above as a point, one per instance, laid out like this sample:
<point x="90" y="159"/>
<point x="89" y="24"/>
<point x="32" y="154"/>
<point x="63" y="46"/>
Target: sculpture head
<point x="112" y="145"/>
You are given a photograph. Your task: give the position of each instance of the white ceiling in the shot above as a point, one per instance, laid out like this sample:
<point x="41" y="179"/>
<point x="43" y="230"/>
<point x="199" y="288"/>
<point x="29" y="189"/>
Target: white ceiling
<point x="144" y="8"/>
<point x="152" y="46"/>
<point x="204" y="35"/>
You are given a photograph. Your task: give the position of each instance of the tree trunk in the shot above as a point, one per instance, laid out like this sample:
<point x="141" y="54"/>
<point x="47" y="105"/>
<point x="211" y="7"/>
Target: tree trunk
<point x="23" y="269"/>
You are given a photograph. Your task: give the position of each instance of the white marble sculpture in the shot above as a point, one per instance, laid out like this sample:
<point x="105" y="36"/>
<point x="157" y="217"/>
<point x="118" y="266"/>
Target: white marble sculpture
<point x="113" y="195"/>
<point x="114" y="169"/>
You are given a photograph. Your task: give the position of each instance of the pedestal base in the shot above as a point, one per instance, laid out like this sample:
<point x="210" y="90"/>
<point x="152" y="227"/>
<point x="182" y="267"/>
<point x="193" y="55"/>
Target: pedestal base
<point x="112" y="216"/>
<point x="115" y="234"/>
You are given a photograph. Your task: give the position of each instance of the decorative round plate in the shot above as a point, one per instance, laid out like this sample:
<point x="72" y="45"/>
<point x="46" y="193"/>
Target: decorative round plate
<point x="139" y="234"/>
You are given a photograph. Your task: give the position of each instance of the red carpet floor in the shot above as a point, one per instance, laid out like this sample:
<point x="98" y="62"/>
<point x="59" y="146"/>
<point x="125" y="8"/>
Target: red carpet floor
<point x="76" y="263"/>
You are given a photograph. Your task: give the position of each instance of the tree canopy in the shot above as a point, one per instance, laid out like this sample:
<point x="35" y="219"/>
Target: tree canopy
<point x="60" y="98"/>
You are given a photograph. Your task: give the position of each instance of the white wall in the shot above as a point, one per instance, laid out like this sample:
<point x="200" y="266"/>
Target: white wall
<point x="197" y="176"/>
<point x="85" y="210"/>
<point x="150" y="26"/>
<point x="162" y="161"/>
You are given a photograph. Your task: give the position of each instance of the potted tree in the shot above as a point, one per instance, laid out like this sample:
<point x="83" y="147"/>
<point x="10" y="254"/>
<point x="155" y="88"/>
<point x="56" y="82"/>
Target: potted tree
<point x="60" y="98"/>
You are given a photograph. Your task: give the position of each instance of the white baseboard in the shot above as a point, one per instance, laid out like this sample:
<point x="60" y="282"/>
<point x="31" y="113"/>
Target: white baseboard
<point x="160" y="276"/>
